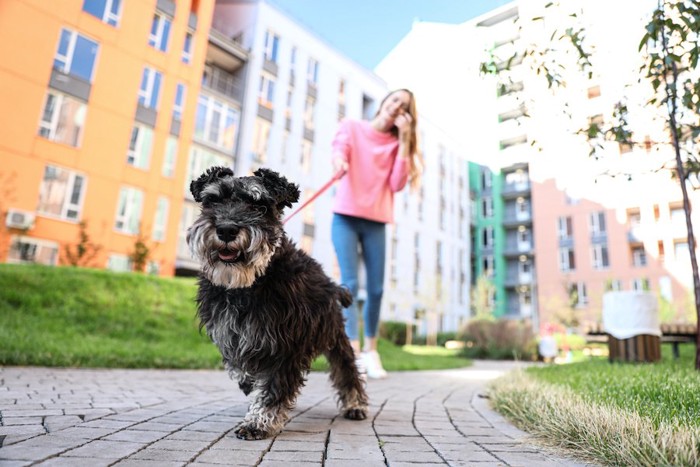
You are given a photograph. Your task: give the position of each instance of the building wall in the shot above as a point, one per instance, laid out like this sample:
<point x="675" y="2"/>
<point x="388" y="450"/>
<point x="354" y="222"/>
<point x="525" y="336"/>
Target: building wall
<point x="529" y="126"/>
<point x="100" y="155"/>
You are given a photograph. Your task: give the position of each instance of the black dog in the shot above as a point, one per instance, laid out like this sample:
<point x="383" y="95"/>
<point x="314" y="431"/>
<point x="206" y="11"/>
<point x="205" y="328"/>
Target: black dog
<point x="267" y="305"/>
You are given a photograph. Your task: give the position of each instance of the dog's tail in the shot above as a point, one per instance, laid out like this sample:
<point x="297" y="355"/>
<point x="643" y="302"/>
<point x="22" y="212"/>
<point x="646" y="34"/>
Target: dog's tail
<point x="344" y="296"/>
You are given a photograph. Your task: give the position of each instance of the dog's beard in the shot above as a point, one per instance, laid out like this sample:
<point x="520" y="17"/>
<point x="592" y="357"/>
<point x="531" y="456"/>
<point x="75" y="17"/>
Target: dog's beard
<point x="250" y="253"/>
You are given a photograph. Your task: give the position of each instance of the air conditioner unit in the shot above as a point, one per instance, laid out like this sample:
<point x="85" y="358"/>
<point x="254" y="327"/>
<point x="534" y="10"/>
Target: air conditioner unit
<point x="17" y="219"/>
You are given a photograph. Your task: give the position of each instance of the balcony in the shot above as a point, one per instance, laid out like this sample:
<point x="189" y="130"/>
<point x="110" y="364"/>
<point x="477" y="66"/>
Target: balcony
<point x="513" y="190"/>
<point x="225" y="52"/>
<point x="222" y="82"/>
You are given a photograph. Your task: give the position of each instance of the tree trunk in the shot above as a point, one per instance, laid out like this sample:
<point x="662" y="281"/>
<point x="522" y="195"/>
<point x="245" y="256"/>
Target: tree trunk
<point x="671" y="96"/>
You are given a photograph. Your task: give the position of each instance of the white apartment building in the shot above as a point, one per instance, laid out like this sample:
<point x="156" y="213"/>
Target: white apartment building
<point x="527" y="124"/>
<point x="296" y="89"/>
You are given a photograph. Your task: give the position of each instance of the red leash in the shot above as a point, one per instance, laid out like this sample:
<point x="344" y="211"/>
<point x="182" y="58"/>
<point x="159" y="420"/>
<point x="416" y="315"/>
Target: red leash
<point x="337" y="176"/>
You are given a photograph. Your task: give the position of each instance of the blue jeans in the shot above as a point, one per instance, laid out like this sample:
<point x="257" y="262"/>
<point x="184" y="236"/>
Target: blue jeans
<point x="348" y="233"/>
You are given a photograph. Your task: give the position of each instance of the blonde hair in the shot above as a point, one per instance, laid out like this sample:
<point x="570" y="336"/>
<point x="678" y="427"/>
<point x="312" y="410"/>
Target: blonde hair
<point x="415" y="158"/>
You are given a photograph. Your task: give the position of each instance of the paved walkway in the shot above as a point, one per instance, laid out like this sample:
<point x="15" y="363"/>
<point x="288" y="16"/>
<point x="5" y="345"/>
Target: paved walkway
<point x="82" y="417"/>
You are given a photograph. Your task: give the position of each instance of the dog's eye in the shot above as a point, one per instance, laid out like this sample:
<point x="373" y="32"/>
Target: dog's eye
<point x="210" y="199"/>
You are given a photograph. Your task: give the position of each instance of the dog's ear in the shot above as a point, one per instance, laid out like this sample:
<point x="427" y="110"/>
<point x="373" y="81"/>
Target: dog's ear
<point x="283" y="192"/>
<point x="211" y="174"/>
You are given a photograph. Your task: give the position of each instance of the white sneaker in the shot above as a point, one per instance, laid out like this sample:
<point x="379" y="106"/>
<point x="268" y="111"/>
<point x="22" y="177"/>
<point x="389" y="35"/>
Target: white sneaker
<point x="373" y="364"/>
<point x="361" y="368"/>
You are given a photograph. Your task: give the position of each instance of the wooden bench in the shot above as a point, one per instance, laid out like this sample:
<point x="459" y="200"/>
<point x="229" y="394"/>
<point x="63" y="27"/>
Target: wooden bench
<point x="642" y="348"/>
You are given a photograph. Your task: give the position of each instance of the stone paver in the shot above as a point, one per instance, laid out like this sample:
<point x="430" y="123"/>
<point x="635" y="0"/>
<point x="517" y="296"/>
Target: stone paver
<point x="168" y="418"/>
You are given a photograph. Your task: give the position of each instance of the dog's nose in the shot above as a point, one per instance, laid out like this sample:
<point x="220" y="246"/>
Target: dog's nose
<point x="226" y="233"/>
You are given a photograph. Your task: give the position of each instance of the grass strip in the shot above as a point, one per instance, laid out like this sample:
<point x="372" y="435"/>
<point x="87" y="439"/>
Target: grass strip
<point x="597" y="430"/>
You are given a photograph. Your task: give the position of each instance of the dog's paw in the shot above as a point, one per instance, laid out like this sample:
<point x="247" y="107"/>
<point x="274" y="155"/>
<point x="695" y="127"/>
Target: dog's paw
<point x="250" y="432"/>
<point x="355" y="414"/>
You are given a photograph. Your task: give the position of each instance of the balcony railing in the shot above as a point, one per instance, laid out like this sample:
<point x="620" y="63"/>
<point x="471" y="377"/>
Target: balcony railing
<point x="224" y="83"/>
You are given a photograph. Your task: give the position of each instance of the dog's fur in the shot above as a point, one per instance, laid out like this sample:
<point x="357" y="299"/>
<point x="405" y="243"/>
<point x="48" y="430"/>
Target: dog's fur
<point x="267" y="305"/>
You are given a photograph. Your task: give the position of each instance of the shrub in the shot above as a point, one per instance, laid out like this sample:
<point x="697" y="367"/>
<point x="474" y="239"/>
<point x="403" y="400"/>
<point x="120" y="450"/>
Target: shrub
<point x="571" y="341"/>
<point x="393" y="331"/>
<point x="443" y="337"/>
<point x="499" y="340"/>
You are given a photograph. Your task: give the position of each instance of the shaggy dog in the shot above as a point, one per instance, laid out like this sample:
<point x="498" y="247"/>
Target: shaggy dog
<point x="268" y="306"/>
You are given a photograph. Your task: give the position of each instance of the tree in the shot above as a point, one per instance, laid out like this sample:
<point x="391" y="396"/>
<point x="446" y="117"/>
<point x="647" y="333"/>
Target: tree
<point x="670" y="54"/>
<point x="482" y="298"/>
<point x="8" y="188"/>
<point x="141" y="253"/>
<point x="83" y="252"/>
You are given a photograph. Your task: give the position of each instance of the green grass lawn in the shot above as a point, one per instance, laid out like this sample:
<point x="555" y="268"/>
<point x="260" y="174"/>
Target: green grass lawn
<point x="615" y="414"/>
<point x="74" y="317"/>
<point x="665" y="391"/>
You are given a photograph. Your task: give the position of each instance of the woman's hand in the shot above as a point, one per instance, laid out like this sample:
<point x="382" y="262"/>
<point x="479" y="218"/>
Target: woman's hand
<point x="403" y="123"/>
<point x="340" y="164"/>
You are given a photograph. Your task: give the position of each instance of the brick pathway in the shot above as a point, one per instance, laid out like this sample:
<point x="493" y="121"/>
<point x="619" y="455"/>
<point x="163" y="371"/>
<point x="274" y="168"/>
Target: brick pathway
<point x="82" y="417"/>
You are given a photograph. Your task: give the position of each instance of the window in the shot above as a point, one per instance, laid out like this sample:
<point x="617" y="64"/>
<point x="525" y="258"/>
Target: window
<point x="666" y="287"/>
<point x="119" y="263"/>
<point x="200" y="160"/>
<point x="160" y="32"/>
<point x="487" y="207"/>
<point x="600" y="257"/>
<point x="150" y="88"/>
<point x="266" y="93"/>
<point x="168" y="169"/>
<point x="216" y="123"/>
<point x="678" y="219"/>
<point x="522" y="208"/>
<point x="140" y="145"/>
<point x="190" y="212"/>
<point x="306" y="150"/>
<point x="341" y="92"/>
<point x="63" y="119"/>
<point x="106" y="10"/>
<point x="640" y="285"/>
<point x="566" y="259"/>
<point x="285" y="146"/>
<point x="579" y="293"/>
<point x="187" y="48"/>
<point x="129" y="210"/>
<point x="486" y="179"/>
<point x="639" y="256"/>
<point x="271" y="45"/>
<point x="76" y="55"/>
<point x="160" y="222"/>
<point x="488" y="237"/>
<point x="32" y="250"/>
<point x="309" y="110"/>
<point x="488" y="265"/>
<point x="681" y="251"/>
<point x="597" y="223"/>
<point x="153" y="268"/>
<point x="178" y="107"/>
<point x="634" y="218"/>
<point x="61" y="193"/>
<point x="312" y="72"/>
<point x="564" y="228"/>
<point x="261" y="137"/>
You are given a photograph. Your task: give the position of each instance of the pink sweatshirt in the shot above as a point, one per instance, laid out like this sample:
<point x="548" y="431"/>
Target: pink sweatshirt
<point x="374" y="174"/>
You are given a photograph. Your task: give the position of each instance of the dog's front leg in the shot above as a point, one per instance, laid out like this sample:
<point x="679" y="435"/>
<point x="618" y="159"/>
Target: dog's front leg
<point x="269" y="411"/>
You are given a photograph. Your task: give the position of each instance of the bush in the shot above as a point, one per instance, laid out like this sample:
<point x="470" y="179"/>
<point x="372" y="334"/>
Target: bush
<point x="499" y="340"/>
<point x="571" y="341"/>
<point x="443" y="337"/>
<point x="393" y="331"/>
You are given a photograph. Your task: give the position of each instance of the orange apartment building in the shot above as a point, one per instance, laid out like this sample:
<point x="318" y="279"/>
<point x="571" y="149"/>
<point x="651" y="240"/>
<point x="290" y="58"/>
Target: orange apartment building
<point x="99" y="100"/>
